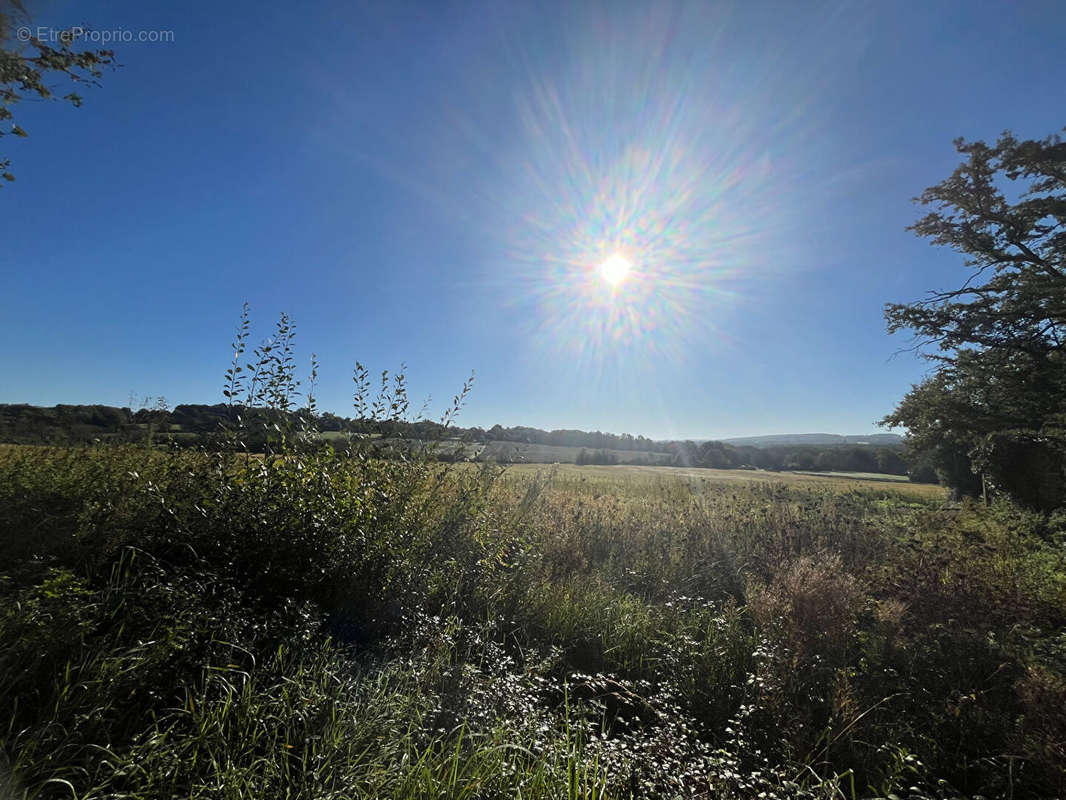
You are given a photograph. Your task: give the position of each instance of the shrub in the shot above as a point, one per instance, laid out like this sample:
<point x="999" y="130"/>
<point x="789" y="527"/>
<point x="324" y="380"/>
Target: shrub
<point x="810" y="607"/>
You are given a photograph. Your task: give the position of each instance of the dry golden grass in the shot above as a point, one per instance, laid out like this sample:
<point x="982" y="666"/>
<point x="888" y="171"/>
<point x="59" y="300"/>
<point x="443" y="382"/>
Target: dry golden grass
<point x="632" y="476"/>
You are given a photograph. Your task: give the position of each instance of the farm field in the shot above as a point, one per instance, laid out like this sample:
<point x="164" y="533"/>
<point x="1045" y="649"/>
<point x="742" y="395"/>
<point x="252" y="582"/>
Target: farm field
<point x="539" y="454"/>
<point x="868" y="476"/>
<point x="628" y="476"/>
<point x="180" y="624"/>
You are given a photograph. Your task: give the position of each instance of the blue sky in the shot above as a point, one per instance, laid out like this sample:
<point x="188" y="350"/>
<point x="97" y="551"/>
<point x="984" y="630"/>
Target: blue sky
<point x="437" y="184"/>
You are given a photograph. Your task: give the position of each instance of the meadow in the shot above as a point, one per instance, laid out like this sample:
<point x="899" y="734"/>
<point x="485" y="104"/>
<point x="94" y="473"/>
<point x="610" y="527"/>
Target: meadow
<point x="334" y="625"/>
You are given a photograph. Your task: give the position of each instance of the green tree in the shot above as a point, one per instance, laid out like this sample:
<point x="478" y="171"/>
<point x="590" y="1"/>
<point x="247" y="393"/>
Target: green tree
<point x="996" y="405"/>
<point x="27" y="63"/>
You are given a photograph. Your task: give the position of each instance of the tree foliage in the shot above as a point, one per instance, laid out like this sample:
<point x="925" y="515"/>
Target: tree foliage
<point x="27" y="63"/>
<point x="995" y="405"/>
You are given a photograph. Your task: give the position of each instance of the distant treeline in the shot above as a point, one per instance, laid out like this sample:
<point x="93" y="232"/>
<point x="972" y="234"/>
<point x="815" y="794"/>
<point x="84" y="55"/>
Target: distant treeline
<point x="197" y="425"/>
<point x="565" y="438"/>
<point x="885" y="459"/>
<point x="26" y="424"/>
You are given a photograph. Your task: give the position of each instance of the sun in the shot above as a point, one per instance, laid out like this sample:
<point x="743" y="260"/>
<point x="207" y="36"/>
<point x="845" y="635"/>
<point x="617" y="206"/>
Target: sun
<point x="615" y="269"/>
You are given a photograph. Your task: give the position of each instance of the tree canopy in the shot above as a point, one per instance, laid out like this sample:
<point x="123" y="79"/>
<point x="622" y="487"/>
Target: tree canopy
<point x="995" y="405"/>
<point x="27" y="62"/>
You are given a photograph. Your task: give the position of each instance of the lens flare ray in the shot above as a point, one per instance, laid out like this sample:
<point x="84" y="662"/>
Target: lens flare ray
<point x="633" y="163"/>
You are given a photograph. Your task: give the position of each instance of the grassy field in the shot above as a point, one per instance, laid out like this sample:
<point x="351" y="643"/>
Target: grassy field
<point x="211" y="625"/>
<point x="630" y="477"/>
<point x="867" y="476"/>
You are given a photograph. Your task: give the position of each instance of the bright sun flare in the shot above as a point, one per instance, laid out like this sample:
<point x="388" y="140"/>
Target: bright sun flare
<point x="615" y="269"/>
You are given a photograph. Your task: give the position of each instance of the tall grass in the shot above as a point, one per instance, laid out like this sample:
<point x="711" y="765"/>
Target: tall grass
<point x="336" y="623"/>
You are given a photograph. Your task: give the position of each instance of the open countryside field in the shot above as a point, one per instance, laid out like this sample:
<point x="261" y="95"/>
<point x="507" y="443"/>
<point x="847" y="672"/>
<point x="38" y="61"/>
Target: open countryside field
<point x="320" y="626"/>
<point x="627" y="475"/>
<point x="232" y="570"/>
<point x="540" y="454"/>
<point x="863" y="476"/>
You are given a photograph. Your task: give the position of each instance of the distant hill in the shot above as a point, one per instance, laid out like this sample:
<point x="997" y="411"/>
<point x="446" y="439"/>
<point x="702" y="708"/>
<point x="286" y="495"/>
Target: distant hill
<point x="881" y="439"/>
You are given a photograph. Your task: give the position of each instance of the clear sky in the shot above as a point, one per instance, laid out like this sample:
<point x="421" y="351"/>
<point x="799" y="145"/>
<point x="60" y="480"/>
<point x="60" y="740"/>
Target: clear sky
<point x="438" y="184"/>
